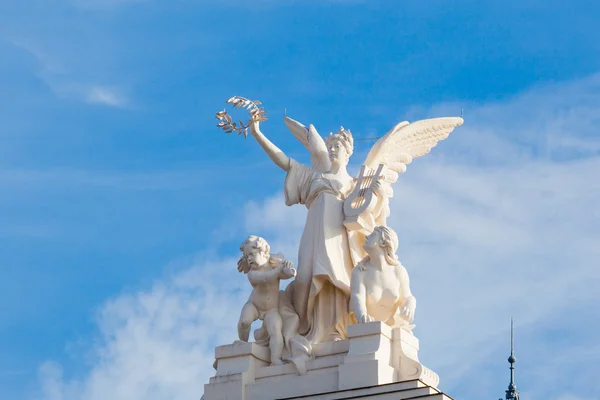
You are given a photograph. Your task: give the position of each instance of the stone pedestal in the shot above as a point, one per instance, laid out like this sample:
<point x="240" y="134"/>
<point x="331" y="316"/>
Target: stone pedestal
<point x="405" y="359"/>
<point x="375" y="361"/>
<point x="379" y="354"/>
<point x="369" y="359"/>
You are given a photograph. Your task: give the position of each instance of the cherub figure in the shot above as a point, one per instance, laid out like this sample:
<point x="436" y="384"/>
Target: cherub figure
<point x="264" y="272"/>
<point x="380" y="288"/>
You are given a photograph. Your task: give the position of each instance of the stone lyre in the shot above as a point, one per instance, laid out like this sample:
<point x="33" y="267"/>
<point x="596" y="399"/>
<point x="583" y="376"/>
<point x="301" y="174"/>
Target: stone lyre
<point x="358" y="202"/>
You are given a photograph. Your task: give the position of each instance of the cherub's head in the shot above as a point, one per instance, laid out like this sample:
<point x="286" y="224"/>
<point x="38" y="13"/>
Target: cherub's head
<point x="383" y="240"/>
<point x="340" y="146"/>
<point x="256" y="253"/>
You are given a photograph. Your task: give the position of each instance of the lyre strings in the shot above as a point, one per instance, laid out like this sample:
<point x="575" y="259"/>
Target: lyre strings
<point x="366" y="180"/>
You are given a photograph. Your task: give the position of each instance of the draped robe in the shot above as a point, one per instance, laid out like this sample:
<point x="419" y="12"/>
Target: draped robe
<point x="326" y="256"/>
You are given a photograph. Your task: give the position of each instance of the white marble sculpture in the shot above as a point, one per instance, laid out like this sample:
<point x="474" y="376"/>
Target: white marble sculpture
<point x="264" y="273"/>
<point x="332" y="241"/>
<point x="345" y="321"/>
<point x="380" y="289"/>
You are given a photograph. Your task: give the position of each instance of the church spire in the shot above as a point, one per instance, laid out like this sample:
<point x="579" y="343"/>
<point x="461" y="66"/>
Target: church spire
<point x="512" y="393"/>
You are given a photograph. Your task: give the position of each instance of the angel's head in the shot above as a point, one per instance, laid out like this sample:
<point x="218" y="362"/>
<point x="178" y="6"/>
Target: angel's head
<point x="340" y="146"/>
<point x="255" y="253"/>
<point x="383" y="240"/>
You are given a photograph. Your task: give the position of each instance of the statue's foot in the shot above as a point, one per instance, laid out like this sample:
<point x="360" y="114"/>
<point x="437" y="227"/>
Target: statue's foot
<point x="277" y="362"/>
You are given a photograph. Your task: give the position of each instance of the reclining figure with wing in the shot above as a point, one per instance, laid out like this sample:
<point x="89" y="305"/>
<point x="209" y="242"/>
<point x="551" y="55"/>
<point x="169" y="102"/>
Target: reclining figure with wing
<point x="342" y="210"/>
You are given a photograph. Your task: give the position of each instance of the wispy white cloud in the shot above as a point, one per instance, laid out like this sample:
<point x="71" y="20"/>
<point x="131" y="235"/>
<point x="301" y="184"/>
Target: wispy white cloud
<point x="158" y="343"/>
<point x="481" y="240"/>
<point x="106" y="96"/>
<point x="90" y="93"/>
<point x="61" y="80"/>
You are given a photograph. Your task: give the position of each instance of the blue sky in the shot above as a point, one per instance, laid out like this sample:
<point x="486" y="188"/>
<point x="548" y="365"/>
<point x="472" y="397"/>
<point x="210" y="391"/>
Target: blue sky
<point x="123" y="205"/>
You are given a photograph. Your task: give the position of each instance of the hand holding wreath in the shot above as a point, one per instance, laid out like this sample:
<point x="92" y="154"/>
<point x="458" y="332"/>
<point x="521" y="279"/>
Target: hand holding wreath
<point x="257" y="114"/>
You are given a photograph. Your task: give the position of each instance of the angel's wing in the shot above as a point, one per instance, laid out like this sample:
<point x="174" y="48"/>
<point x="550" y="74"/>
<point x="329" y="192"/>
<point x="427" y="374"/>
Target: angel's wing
<point x="407" y="141"/>
<point x="310" y="138"/>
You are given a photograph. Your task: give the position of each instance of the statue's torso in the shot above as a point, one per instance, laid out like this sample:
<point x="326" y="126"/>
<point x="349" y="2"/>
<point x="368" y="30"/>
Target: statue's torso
<point x="265" y="295"/>
<point x="342" y="185"/>
<point x="382" y="292"/>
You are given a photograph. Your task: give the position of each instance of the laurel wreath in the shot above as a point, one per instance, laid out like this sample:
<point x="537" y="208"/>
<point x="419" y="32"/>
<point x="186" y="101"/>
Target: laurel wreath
<point x="257" y="114"/>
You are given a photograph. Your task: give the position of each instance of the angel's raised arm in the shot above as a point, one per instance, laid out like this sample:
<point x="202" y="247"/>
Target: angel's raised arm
<point x="274" y="152"/>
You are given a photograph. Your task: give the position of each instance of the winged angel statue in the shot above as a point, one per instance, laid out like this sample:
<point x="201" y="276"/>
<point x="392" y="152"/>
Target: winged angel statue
<point x="342" y="210"/>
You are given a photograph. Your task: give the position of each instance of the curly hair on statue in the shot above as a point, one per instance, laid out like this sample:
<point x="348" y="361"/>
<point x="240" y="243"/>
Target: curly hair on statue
<point x="344" y="136"/>
<point x="254" y="242"/>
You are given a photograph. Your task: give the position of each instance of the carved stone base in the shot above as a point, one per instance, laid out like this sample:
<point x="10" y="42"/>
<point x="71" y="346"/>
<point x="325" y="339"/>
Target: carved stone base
<point x="369" y="363"/>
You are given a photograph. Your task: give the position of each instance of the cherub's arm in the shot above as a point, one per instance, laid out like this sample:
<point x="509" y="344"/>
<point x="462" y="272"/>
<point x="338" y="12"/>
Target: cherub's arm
<point x="408" y="303"/>
<point x="404" y="281"/>
<point x="287" y="270"/>
<point x="358" y="296"/>
<point x="270" y="276"/>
